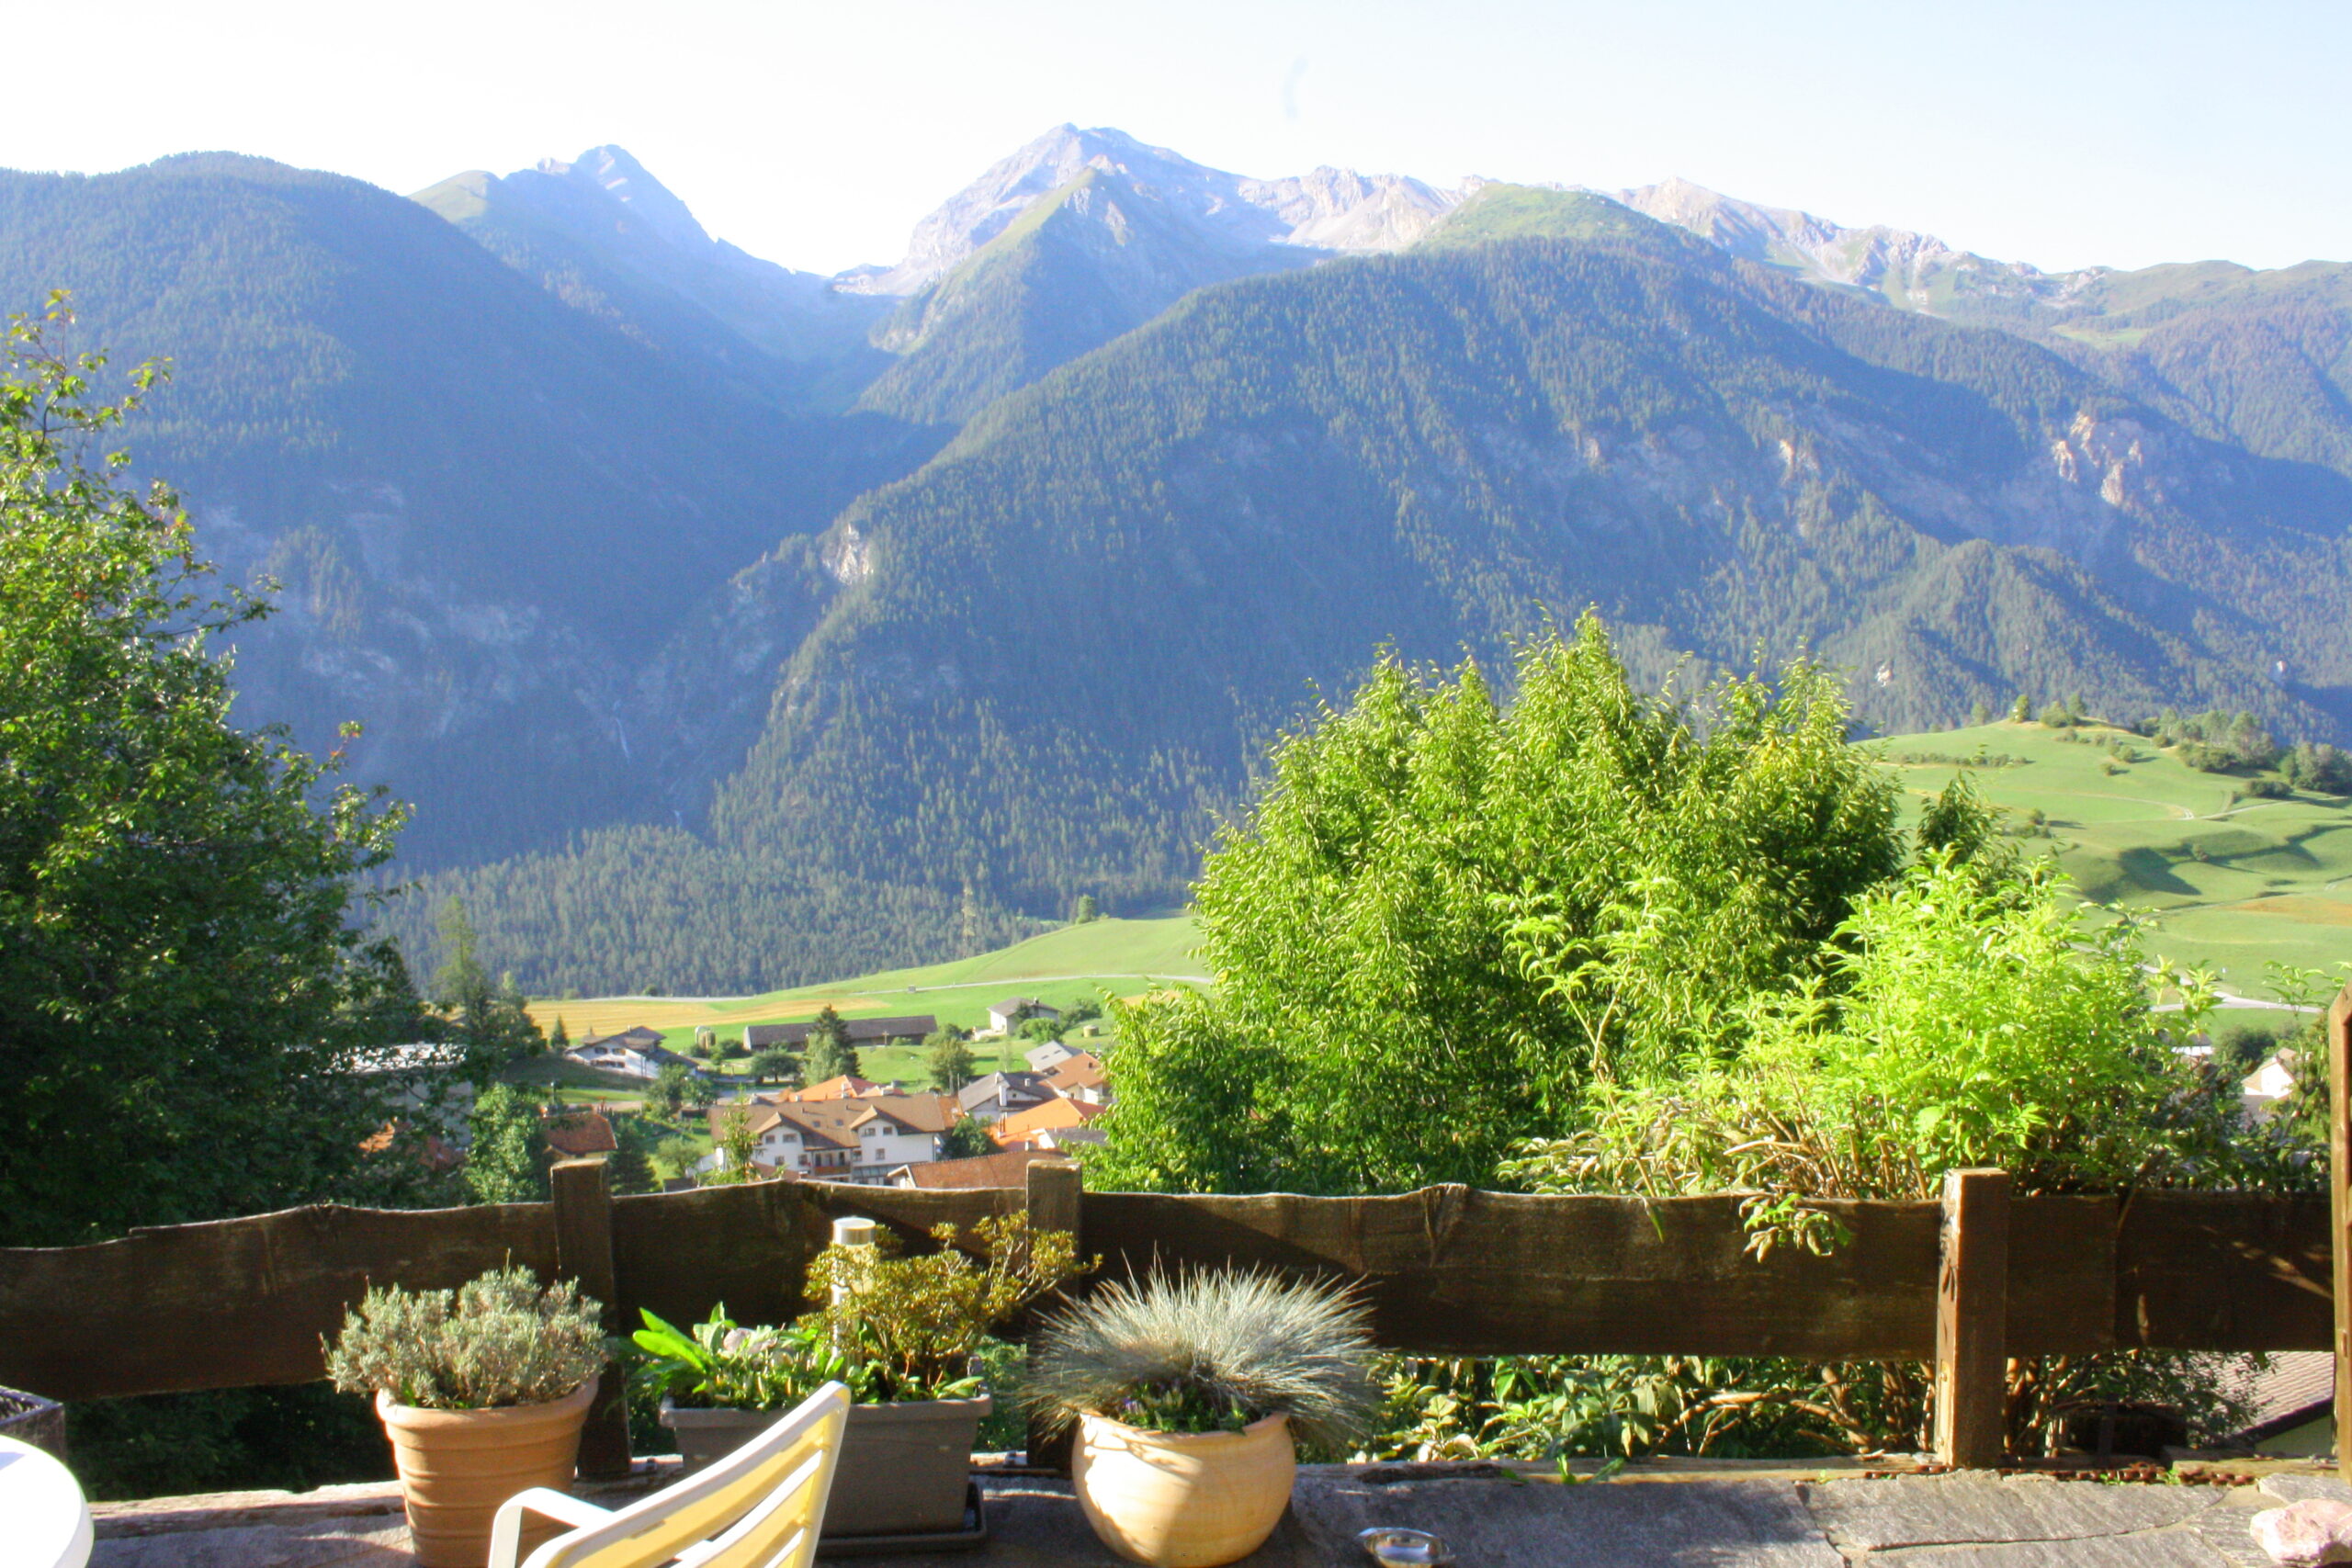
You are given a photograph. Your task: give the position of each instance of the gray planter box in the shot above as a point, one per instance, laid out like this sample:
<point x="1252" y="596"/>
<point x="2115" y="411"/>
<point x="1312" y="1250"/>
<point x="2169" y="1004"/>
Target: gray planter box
<point x="903" y="1467"/>
<point x="29" y="1418"/>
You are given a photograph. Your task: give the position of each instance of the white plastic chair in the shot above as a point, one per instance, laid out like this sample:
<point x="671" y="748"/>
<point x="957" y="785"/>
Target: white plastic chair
<point x="759" y="1507"/>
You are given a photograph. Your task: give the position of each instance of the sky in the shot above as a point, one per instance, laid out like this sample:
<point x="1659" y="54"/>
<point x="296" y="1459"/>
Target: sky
<point x="2121" y="132"/>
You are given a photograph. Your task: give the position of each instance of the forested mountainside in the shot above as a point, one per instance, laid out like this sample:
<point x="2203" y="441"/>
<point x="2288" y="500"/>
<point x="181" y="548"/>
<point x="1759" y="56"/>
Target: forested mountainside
<point x="487" y="510"/>
<point x="1064" y="640"/>
<point x="730" y="626"/>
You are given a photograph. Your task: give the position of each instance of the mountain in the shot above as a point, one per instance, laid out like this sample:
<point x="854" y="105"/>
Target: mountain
<point x="1060" y="646"/>
<point x="733" y="626"/>
<point x="489" y="510"/>
<point x="604" y="237"/>
<point x="1083" y="235"/>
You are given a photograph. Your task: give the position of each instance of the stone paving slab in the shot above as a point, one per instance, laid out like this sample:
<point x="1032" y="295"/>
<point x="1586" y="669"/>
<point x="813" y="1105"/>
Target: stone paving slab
<point x="1960" y="1521"/>
<point x="1945" y="1510"/>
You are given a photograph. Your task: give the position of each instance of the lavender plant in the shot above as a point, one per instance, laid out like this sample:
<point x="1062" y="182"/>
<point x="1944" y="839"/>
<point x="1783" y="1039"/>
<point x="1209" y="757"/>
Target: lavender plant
<point x="497" y="1340"/>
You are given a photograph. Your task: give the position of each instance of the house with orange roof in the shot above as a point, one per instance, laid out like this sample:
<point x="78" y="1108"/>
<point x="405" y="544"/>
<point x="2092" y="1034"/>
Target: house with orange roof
<point x="1057" y="1123"/>
<point x="1006" y="1167"/>
<point x="580" y="1134"/>
<point x="855" y="1138"/>
<point x="1079" y="1076"/>
<point x="845" y="1087"/>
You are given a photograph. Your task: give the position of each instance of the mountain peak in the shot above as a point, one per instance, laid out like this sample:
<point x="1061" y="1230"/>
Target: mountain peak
<point x="612" y="171"/>
<point x="1329" y="210"/>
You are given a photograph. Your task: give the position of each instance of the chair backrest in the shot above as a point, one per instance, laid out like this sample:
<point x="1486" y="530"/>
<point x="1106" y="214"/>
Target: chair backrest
<point x="759" y="1507"/>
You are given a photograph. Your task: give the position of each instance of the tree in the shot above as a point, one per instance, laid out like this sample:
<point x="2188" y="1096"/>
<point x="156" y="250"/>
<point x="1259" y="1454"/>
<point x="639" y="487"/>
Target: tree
<point x="830" y="1056"/>
<point x="559" y="1038"/>
<point x="775" y="1064"/>
<point x="2055" y="717"/>
<point x="670" y="1084"/>
<point x="630" y="1165"/>
<point x="2022" y="709"/>
<point x="967" y="1138"/>
<point x="1040" y="1028"/>
<point x="190" y="995"/>
<point x="951" y="1061"/>
<point x="490" y="1020"/>
<point x="701" y="1092"/>
<point x="1085" y="913"/>
<point x="509" y="1157"/>
<point x="735" y="1143"/>
<point x="1438" y="899"/>
<point x="1979" y="713"/>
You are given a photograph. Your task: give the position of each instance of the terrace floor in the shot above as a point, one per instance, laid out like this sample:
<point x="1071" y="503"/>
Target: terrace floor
<point x="1681" y="1516"/>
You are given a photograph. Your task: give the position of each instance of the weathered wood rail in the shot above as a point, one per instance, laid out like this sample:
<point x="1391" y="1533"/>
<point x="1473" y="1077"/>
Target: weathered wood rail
<point x="1447" y="1269"/>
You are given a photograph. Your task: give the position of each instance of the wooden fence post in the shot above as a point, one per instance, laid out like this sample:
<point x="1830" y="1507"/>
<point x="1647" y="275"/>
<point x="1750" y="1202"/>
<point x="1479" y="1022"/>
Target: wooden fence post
<point x="2339" y="1191"/>
<point x="1057" y="1197"/>
<point x="1972" y="1320"/>
<point x="583" y="1252"/>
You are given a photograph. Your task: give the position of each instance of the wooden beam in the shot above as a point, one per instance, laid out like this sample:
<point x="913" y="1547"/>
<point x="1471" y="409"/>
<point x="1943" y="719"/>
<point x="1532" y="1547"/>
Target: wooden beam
<point x="1057" y="1202"/>
<point x="2339" y="1188"/>
<point x="1972" y="1320"/>
<point x="232" y="1303"/>
<point x="583" y="1254"/>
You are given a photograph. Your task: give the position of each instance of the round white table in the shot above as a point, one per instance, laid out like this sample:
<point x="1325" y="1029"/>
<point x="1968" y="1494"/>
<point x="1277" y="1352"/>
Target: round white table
<point x="42" y="1514"/>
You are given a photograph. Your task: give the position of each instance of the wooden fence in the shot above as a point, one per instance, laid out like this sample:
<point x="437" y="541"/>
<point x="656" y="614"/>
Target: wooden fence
<point x="1447" y="1270"/>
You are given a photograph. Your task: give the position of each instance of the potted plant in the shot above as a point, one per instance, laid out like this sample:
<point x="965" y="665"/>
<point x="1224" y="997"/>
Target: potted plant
<point x="902" y="1333"/>
<point x="1190" y="1394"/>
<point x="483" y="1391"/>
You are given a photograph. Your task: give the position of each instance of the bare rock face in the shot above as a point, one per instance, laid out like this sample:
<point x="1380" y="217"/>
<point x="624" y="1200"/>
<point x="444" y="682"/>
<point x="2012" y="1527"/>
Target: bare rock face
<point x="2306" y="1534"/>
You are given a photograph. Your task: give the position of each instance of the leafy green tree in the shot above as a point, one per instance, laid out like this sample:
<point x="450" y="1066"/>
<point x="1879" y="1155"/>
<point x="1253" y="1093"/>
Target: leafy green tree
<point x="1084" y="912"/>
<point x="671" y="1083"/>
<point x="950" y="1060"/>
<point x="1441" y="900"/>
<point x="775" y="1064"/>
<point x="509" y="1157"/>
<point x="1979" y="713"/>
<point x="735" y="1142"/>
<point x="2055" y="717"/>
<point x="967" y="1139"/>
<point x="189" y="998"/>
<point x="2022" y="709"/>
<point x="1040" y="1028"/>
<point x="701" y="1091"/>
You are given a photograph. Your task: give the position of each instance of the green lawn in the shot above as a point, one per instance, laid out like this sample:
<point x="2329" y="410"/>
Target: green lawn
<point x="1071" y="964"/>
<point x="2230" y="885"/>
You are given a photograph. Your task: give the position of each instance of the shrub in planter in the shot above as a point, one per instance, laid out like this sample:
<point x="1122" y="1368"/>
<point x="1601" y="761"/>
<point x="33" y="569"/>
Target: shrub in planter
<point x="1190" y="1395"/>
<point x="902" y="1334"/>
<point x="483" y="1391"/>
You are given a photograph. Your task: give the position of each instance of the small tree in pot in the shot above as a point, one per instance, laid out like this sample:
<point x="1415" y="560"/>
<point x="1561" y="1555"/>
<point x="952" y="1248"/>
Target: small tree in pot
<point x="902" y="1333"/>
<point x="1190" y="1395"/>
<point x="483" y="1391"/>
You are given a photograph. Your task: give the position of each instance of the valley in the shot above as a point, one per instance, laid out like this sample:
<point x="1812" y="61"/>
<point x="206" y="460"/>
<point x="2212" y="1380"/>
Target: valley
<point x="731" y="627"/>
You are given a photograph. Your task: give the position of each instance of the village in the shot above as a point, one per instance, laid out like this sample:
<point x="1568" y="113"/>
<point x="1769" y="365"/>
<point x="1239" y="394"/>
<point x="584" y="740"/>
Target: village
<point x="968" y="1129"/>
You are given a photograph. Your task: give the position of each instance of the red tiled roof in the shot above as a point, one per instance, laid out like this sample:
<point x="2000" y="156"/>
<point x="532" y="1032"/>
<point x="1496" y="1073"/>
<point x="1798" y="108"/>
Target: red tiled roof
<point x="1007" y="1169"/>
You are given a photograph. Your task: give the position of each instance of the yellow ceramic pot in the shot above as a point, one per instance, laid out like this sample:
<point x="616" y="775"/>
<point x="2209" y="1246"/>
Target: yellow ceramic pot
<point x="1183" y="1499"/>
<point x="457" y="1466"/>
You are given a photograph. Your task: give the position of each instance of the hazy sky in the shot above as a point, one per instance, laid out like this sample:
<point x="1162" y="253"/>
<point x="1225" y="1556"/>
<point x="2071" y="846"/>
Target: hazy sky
<point x="2122" y="131"/>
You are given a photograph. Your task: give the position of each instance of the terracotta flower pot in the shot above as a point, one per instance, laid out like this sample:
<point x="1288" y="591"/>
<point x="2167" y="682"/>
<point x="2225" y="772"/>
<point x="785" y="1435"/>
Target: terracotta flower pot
<point x="457" y="1466"/>
<point x="1183" y="1499"/>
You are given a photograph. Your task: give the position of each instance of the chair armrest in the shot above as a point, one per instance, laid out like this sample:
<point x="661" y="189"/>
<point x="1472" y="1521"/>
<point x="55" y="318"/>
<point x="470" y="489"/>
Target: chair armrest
<point x="506" y="1530"/>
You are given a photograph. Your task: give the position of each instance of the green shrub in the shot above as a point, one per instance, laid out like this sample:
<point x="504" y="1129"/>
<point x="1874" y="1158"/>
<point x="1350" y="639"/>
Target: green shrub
<point x="723" y="1366"/>
<point x="497" y="1340"/>
<point x="914" y="1324"/>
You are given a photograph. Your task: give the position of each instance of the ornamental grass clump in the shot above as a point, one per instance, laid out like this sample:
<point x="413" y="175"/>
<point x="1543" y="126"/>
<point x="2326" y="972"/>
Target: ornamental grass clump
<point x="495" y="1341"/>
<point x="1212" y="1352"/>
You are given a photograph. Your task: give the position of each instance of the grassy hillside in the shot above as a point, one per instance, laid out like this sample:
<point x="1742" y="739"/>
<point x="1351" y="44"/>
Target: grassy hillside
<point x="1067" y="964"/>
<point x="2229" y="884"/>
